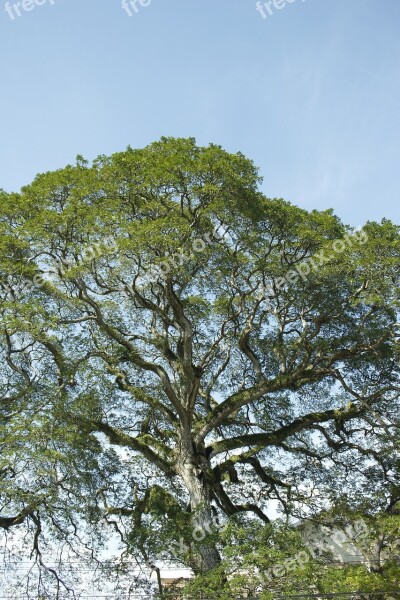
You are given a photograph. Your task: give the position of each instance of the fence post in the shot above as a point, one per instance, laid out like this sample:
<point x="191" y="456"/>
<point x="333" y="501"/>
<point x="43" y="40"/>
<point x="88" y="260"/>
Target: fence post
<point x="159" y="581"/>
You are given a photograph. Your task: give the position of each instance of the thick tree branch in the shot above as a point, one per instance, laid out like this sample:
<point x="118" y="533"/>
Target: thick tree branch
<point x="278" y="436"/>
<point x="119" y="438"/>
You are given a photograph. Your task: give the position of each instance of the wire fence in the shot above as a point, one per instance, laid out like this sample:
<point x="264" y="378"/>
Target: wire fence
<point x="80" y="568"/>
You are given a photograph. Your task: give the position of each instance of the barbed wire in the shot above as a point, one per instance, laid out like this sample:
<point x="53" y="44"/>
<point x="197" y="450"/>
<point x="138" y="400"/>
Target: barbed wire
<point x="331" y="594"/>
<point x="75" y="565"/>
<point x="174" y="595"/>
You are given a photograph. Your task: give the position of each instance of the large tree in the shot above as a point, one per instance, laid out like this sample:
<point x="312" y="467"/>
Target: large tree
<point x="188" y="348"/>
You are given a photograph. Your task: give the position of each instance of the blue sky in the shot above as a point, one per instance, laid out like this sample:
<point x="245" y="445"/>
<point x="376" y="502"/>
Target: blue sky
<point x="311" y="93"/>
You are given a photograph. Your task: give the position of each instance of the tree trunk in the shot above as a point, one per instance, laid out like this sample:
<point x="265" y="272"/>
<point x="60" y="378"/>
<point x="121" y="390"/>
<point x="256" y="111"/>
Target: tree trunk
<point x="195" y="481"/>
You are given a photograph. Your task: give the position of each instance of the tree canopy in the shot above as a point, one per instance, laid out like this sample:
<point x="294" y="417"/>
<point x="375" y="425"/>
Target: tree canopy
<point x="178" y="349"/>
